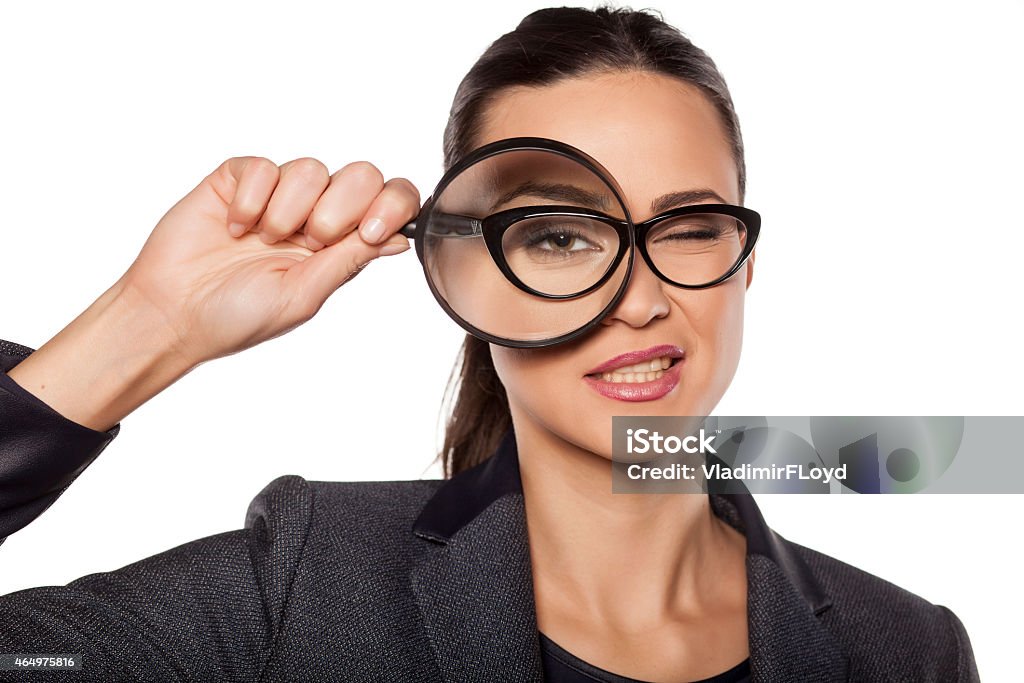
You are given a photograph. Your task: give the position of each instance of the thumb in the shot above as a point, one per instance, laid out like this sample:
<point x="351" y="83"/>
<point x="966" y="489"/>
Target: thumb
<point x="320" y="275"/>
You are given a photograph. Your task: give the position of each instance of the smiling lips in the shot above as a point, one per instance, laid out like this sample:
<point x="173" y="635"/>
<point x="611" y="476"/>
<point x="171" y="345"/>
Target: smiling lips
<point x="639" y="375"/>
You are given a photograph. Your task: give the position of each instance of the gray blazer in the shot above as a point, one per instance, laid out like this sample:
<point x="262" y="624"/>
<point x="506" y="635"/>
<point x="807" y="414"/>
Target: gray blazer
<point x="401" y="581"/>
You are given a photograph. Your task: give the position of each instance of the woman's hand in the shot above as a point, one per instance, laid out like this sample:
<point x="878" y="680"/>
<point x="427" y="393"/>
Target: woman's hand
<point x="255" y="249"/>
<point x="200" y="289"/>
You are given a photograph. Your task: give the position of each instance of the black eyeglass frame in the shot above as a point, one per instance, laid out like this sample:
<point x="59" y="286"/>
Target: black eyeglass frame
<point x="416" y="230"/>
<point x="492" y="228"/>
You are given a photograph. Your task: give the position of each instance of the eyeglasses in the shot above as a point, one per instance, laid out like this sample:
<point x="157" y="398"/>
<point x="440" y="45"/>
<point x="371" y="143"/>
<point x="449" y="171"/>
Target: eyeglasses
<point x="539" y="274"/>
<point x="562" y="252"/>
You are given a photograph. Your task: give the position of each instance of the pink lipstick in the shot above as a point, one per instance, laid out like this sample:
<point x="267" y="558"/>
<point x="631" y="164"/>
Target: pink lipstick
<point x="630" y="386"/>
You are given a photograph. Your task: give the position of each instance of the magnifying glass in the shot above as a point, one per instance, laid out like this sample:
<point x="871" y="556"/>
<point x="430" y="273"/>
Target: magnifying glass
<point x="527" y="242"/>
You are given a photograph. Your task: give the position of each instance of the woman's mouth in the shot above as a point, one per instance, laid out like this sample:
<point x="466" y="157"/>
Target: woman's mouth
<point x="645" y="381"/>
<point x="640" y="372"/>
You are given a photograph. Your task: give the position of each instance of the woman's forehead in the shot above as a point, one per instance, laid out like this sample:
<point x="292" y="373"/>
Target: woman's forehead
<point x="655" y="134"/>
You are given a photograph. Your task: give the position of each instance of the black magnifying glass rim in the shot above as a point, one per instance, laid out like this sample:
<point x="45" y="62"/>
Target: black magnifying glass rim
<point x="415" y="231"/>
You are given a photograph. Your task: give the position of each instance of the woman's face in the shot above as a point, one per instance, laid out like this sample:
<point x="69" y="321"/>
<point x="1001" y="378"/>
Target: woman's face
<point x="656" y="135"/>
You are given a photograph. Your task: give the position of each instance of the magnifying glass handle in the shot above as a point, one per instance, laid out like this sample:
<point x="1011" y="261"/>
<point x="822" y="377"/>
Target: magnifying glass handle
<point x="409" y="229"/>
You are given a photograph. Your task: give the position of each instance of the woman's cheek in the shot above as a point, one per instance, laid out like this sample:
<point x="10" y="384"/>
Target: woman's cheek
<point x="526" y="376"/>
<point x="728" y="337"/>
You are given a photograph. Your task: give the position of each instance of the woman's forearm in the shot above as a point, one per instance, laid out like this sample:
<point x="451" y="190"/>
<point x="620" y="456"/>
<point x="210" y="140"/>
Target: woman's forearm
<point x="108" y="361"/>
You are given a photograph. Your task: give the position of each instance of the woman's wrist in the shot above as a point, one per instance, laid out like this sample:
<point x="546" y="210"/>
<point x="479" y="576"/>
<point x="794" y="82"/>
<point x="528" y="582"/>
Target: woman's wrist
<point x="107" y="362"/>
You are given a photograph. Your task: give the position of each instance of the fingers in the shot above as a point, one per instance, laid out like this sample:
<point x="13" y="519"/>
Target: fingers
<point x="343" y="204"/>
<point x="397" y="204"/>
<point x="255" y="179"/>
<point x="301" y="184"/>
<point x="300" y="195"/>
<point x="358" y="196"/>
<point x="348" y="218"/>
<point x="319" y="276"/>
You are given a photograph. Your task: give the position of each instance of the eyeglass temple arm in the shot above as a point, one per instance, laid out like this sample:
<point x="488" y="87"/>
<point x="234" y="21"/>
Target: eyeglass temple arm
<point x="448" y="225"/>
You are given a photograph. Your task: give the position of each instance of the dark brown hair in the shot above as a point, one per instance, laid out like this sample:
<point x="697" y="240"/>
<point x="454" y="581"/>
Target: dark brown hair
<point x="547" y="46"/>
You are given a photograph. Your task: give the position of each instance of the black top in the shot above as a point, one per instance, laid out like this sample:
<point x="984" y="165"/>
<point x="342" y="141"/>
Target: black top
<point x="562" y="666"/>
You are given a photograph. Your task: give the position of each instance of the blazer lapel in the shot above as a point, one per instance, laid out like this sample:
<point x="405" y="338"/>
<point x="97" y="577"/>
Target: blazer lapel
<point x="787" y="640"/>
<point x="474" y="583"/>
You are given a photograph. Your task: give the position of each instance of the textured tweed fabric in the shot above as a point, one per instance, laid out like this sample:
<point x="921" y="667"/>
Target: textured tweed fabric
<point x="400" y="581"/>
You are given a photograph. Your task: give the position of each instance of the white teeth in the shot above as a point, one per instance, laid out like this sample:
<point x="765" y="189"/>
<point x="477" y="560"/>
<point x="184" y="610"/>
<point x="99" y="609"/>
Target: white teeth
<point x="641" y="372"/>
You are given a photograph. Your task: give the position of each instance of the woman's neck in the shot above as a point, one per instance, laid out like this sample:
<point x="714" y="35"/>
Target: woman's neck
<point x="633" y="560"/>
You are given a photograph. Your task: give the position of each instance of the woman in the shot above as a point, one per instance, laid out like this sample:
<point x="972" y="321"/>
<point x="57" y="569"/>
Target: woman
<point x="522" y="565"/>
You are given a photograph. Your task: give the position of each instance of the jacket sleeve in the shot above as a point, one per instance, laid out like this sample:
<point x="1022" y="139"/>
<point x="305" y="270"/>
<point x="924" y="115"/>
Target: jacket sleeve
<point x="208" y="610"/>
<point x="41" y="451"/>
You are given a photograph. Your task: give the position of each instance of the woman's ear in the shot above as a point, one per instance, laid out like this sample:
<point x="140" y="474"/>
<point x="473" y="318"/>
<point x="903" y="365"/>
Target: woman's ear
<point x="750" y="267"/>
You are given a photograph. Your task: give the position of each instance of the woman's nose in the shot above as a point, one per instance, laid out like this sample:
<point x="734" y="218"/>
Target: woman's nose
<point x="643" y="300"/>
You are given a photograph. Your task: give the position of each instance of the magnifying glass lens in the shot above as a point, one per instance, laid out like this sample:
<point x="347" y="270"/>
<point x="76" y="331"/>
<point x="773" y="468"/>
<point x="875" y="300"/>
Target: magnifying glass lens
<point x="525" y="245"/>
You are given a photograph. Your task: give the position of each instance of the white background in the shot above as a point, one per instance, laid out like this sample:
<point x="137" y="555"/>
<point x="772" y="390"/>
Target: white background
<point x="883" y="145"/>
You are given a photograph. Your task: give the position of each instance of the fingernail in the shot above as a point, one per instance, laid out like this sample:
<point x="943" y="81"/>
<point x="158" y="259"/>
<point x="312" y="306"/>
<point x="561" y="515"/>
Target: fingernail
<point x="266" y="238"/>
<point x="236" y="229"/>
<point x="313" y="243"/>
<point x="392" y="249"/>
<point x="373" y="229"/>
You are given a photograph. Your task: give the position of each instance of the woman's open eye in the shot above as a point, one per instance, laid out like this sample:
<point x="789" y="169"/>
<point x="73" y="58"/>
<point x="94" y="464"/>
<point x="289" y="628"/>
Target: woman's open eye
<point x="574" y="247"/>
<point x="557" y="238"/>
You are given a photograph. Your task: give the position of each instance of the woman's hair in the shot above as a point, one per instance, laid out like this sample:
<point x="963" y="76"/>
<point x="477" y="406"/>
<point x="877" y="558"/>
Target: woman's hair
<point x="547" y="46"/>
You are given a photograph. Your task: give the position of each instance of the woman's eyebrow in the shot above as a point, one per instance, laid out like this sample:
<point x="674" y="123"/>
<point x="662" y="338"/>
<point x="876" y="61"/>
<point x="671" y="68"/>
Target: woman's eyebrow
<point x="674" y="199"/>
<point x="578" y="195"/>
<point x="556" y="192"/>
